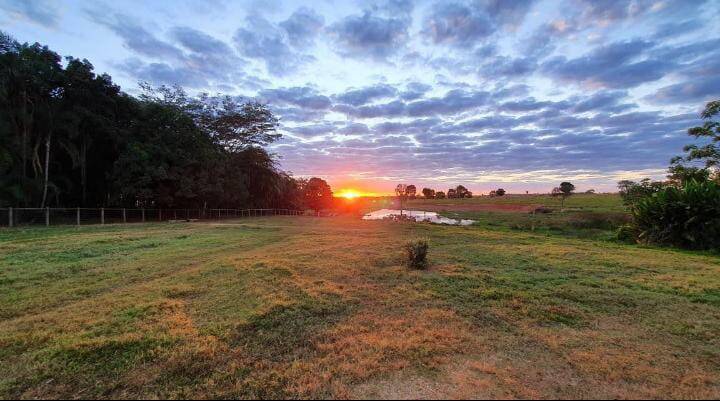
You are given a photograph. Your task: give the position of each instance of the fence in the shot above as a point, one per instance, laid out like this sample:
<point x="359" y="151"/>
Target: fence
<point x="14" y="217"/>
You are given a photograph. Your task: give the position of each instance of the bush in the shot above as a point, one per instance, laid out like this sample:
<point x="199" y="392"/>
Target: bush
<point x="687" y="217"/>
<point x="416" y="253"/>
<point x="627" y="233"/>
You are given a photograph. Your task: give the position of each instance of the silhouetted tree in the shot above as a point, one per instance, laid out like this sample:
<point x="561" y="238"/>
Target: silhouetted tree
<point x="439" y="195"/>
<point x="428" y="193"/>
<point x="411" y="191"/>
<point x="70" y="137"/>
<point x="500" y="192"/>
<point x="462" y="192"/>
<point x="401" y="191"/>
<point x="451" y="193"/>
<point x="317" y="194"/>
<point x="564" y="191"/>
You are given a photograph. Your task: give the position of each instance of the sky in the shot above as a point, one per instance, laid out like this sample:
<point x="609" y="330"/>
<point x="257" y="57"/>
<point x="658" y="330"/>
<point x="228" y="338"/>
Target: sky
<point x="490" y="93"/>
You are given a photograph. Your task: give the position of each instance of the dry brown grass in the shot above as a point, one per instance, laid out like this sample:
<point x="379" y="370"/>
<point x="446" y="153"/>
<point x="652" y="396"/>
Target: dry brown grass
<point x="304" y="308"/>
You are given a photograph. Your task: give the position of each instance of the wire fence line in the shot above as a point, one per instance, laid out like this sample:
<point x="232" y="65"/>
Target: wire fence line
<point x="16" y="217"/>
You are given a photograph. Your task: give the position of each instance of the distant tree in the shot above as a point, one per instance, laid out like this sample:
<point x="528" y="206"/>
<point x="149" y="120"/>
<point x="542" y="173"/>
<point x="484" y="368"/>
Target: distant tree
<point x="451" y="193"/>
<point x="411" y="191"/>
<point x="439" y="195"/>
<point x="564" y="191"/>
<point x="428" y="193"/>
<point x="461" y="192"/>
<point x="590" y="192"/>
<point x="500" y="192"/>
<point x="493" y="193"/>
<point x="401" y="191"/>
<point x="317" y="194"/>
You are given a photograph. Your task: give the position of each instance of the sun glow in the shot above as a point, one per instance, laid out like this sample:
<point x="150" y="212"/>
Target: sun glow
<point x="349" y="194"/>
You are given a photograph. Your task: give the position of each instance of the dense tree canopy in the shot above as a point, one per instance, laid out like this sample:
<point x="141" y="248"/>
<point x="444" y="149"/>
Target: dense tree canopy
<point x="317" y="194"/>
<point x="71" y="137"/>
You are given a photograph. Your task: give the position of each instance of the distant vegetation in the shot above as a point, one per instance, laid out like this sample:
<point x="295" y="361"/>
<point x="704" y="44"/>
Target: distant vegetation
<point x="409" y="191"/>
<point x="70" y="137"/>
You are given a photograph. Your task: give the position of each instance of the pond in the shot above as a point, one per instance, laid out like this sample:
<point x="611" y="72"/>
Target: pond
<point x="417" y="215"/>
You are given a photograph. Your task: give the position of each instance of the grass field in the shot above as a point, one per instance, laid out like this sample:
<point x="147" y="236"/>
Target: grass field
<point x="306" y="307"/>
<point x="577" y="202"/>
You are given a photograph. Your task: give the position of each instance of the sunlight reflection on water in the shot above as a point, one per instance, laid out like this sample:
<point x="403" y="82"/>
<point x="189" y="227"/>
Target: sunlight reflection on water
<point x="417" y="215"/>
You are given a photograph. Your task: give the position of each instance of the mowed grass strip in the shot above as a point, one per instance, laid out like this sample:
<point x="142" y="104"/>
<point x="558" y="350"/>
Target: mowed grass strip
<point x="324" y="307"/>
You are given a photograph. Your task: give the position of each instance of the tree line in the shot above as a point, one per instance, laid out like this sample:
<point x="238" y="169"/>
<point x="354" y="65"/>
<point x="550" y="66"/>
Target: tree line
<point x="410" y="192"/>
<point x="72" y="137"/>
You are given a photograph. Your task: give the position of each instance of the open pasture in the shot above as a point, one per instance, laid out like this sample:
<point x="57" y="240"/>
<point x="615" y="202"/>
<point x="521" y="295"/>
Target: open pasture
<point x="306" y="307"/>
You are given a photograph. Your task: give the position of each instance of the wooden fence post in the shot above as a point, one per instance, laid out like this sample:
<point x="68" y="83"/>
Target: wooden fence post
<point x="124" y="216"/>
<point x="159" y="214"/>
<point x="10" y="217"/>
<point x="102" y="216"/>
<point x="143" y="214"/>
<point x="47" y="217"/>
<point x="77" y="216"/>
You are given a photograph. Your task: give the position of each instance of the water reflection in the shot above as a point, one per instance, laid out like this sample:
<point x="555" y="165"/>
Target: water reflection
<point x="416" y="215"/>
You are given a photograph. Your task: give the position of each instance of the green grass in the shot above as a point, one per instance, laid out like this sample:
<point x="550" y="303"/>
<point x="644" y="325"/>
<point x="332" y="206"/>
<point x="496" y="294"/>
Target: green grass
<point x="304" y="307"/>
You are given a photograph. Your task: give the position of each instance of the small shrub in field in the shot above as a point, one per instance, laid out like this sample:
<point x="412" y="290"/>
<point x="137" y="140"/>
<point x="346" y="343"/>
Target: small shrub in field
<point x="416" y="254"/>
<point x="627" y="233"/>
<point x="687" y="217"/>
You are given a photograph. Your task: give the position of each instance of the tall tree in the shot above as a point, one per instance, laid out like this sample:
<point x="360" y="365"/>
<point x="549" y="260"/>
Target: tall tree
<point x="401" y="192"/>
<point x="70" y="137"/>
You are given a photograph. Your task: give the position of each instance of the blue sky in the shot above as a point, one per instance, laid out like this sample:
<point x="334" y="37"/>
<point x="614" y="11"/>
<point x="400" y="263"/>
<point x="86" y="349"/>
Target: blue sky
<point x="513" y="94"/>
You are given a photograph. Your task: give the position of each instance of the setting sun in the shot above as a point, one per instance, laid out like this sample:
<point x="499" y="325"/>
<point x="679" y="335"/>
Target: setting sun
<point x="349" y="194"/>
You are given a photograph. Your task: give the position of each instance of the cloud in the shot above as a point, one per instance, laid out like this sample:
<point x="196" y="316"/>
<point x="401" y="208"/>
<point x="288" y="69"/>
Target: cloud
<point x="674" y="29"/>
<point x="694" y="91"/>
<point x="163" y="74"/>
<point x="359" y="97"/>
<point x="509" y="67"/>
<point x="197" y="61"/>
<point x="415" y="90"/>
<point x="369" y="35"/>
<point x="303" y="26"/>
<point x="303" y="97"/>
<point x="616" y="65"/>
<point x="457" y="24"/>
<point x="603" y="100"/>
<point x="41" y="12"/>
<point x="462" y="25"/>
<point x="453" y="102"/>
<point x="200" y="42"/>
<point x="263" y="40"/>
<point x="135" y="37"/>
<point x="394" y="108"/>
